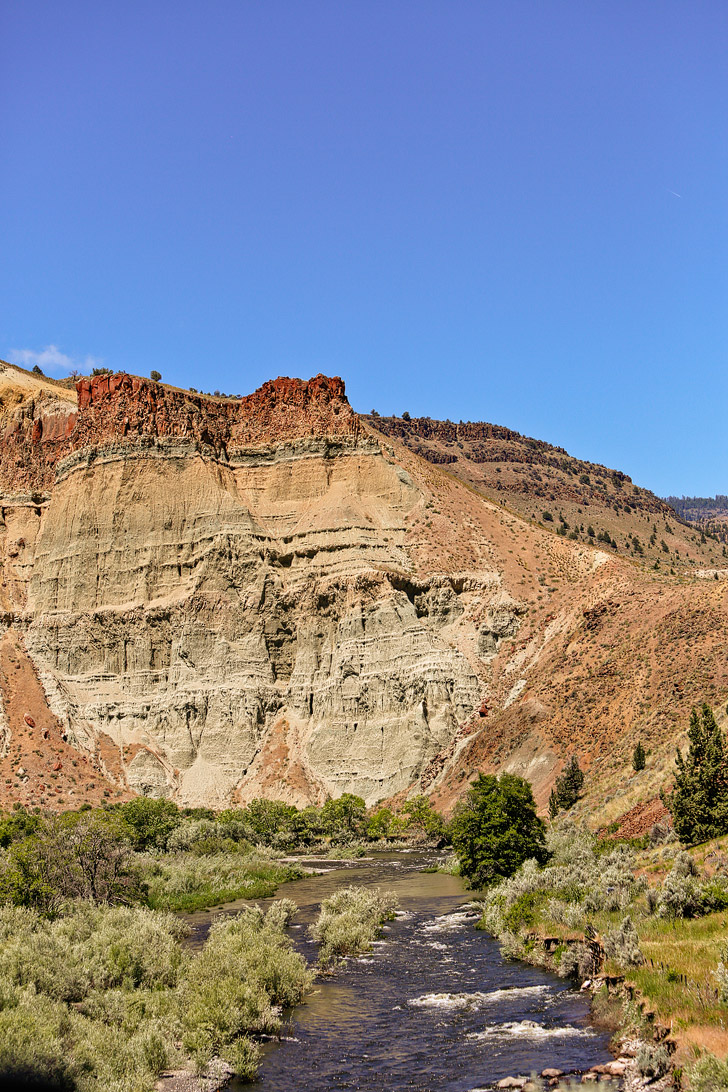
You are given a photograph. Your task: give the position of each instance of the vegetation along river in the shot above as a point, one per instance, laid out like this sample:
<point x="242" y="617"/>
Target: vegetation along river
<point x="433" y="1007"/>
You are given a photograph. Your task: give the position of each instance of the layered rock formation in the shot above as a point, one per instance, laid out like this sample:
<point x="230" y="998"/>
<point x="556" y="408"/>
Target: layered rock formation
<point x="215" y="599"/>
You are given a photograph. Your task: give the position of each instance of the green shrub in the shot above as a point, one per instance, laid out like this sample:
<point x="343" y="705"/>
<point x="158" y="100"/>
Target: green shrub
<point x="523" y="913"/>
<point x="244" y="975"/>
<point x="708" y="1074"/>
<point x="495" y="829"/>
<point x="349" y="921"/>
<point x="189" y="882"/>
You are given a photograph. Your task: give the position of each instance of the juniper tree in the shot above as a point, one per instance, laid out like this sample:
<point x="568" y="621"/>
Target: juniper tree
<point x="639" y="757"/>
<point x="698" y="802"/>
<point x="568" y="786"/>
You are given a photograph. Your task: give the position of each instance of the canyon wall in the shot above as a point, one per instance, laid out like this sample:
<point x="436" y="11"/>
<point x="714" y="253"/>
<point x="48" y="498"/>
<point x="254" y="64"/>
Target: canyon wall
<point x="220" y="589"/>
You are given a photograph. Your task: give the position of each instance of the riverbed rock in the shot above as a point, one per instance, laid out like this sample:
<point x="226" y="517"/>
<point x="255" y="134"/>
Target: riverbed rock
<point x="550" y="1071"/>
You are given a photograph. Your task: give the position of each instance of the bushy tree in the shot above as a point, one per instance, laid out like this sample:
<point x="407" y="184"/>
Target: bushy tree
<point x="380" y="823"/>
<point x="495" y="829"/>
<point x="639" y="757"/>
<point x="422" y="817"/>
<point x="155" y="376"/>
<point x="345" y="816"/>
<point x="149" y="822"/>
<point x="698" y="802"/>
<point x="268" y="819"/>
<point x="82" y="855"/>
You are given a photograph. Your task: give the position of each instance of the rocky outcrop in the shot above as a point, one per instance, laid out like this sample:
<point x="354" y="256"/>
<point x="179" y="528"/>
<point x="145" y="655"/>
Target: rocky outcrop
<point x="201" y="576"/>
<point x="217" y="598"/>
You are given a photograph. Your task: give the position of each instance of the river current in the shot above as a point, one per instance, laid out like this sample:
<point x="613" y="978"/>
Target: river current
<point x="433" y="1008"/>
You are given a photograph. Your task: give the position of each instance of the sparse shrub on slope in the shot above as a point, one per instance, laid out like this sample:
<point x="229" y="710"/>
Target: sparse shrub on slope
<point x="349" y="921"/>
<point x="623" y="945"/>
<point x="683" y="895"/>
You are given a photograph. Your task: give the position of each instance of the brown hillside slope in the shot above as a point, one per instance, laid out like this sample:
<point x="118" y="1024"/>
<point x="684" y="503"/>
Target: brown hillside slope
<point x="226" y="598"/>
<point x="538" y="480"/>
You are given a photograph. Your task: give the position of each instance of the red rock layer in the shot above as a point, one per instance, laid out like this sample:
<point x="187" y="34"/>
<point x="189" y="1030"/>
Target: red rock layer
<point x="113" y="408"/>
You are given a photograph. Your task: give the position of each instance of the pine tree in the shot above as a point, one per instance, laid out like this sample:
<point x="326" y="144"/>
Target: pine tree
<point x="698" y="802"/>
<point x="639" y="757"/>
<point x="568" y="786"/>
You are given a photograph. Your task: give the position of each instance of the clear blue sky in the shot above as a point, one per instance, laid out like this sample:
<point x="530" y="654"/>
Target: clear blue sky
<point x="512" y="211"/>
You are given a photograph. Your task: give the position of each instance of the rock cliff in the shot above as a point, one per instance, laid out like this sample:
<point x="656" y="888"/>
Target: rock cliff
<point x="221" y="598"/>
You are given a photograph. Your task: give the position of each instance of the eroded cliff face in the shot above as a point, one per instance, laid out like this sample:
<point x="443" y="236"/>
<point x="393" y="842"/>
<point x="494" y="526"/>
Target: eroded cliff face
<point x="207" y="583"/>
<point x="216" y="599"/>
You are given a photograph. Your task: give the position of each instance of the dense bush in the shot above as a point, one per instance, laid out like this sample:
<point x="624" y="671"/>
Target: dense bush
<point x="495" y="829"/>
<point x="102" y="999"/>
<point x="349" y="921"/>
<point x="149" y="822"/>
<point x="577" y="881"/>
<point x="78" y="855"/>
<point x="684" y="895"/>
<point x="244" y="975"/>
<point x="190" y="882"/>
<point x="708" y="1074"/>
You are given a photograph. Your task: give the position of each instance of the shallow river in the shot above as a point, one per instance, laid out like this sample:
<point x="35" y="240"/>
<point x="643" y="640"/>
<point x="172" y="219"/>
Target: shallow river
<point x="433" y="1007"/>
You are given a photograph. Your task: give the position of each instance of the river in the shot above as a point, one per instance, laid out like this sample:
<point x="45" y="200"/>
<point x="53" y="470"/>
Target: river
<point x="433" y="1008"/>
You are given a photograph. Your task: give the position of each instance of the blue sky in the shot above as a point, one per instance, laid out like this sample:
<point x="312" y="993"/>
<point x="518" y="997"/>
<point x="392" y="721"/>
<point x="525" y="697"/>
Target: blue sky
<point x="511" y="211"/>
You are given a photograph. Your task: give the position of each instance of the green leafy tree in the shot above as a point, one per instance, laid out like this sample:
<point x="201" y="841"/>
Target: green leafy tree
<point x="380" y="823"/>
<point x="639" y="757"/>
<point x="422" y="817"/>
<point x="155" y="376"/>
<point x="269" y="819"/>
<point x="149" y="822"/>
<point x="344" y="817"/>
<point x="495" y="829"/>
<point x="698" y="802"/>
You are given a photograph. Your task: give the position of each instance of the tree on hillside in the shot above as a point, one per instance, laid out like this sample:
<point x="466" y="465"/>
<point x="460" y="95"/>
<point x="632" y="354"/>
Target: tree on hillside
<point x="495" y="829"/>
<point x="567" y="788"/>
<point x="155" y="376"/>
<point x="639" y="757"/>
<point x="698" y="802"/>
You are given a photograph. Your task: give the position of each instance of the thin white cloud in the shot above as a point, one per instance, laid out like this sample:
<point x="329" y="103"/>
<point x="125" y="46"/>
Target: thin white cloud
<point x="52" y="361"/>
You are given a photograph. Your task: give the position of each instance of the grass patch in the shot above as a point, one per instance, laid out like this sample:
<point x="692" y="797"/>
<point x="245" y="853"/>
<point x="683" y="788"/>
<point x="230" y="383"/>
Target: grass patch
<point x="188" y="882"/>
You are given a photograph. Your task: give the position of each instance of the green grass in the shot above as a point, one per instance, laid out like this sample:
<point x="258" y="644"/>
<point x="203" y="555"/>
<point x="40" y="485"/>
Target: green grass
<point x="186" y="882"/>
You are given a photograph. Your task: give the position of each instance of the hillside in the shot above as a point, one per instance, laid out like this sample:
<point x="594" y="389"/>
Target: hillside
<point x="709" y="514"/>
<point x="547" y="485"/>
<point x="216" y="599"/>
